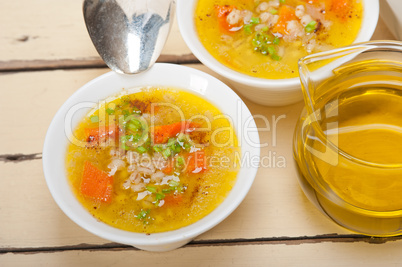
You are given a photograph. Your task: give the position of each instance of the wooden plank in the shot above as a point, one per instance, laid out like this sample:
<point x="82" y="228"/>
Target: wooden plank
<point x="323" y="254"/>
<point x="39" y="36"/>
<point x="51" y="31"/>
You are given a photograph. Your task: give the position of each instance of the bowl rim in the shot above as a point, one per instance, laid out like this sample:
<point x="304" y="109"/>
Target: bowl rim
<point x="68" y="204"/>
<point x="185" y="11"/>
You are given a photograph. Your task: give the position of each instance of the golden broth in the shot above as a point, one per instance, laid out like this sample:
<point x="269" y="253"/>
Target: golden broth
<point x="236" y="49"/>
<point x="198" y="193"/>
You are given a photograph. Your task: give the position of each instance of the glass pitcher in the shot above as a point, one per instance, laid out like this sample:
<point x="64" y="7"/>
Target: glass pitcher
<point x="348" y="141"/>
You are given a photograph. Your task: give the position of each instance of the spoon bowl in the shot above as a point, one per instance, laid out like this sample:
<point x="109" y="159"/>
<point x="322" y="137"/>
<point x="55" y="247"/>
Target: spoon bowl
<point x="129" y="35"/>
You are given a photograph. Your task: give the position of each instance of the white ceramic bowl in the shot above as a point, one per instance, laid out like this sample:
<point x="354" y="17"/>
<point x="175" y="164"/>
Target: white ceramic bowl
<point x="110" y="84"/>
<point x="269" y="92"/>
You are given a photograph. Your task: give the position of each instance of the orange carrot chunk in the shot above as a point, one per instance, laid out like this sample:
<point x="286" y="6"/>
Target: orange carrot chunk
<point x="286" y="13"/>
<point x="168" y="169"/>
<point x="96" y="184"/>
<point x="97" y="134"/>
<point x="341" y="8"/>
<point x="196" y="162"/>
<point x="172" y="200"/>
<point x="222" y="13"/>
<point x="161" y="134"/>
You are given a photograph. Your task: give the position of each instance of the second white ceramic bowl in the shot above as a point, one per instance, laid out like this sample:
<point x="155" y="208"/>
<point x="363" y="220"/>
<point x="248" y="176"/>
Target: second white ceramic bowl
<point x="267" y="92"/>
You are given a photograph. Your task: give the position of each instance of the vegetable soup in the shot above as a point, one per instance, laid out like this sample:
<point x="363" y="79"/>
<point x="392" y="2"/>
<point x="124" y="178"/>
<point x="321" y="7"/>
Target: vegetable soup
<point x="265" y="39"/>
<point x="153" y="159"/>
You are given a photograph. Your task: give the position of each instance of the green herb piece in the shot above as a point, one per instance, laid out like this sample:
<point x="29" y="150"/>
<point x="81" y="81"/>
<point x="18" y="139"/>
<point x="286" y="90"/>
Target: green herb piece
<point x="134" y="125"/>
<point x="176" y="148"/>
<point x="271" y="50"/>
<point x="94" y="119"/>
<point x="261" y="41"/>
<point x="137" y="123"/>
<point x="171" y="141"/>
<point x="276" y="41"/>
<point x="187" y="146"/>
<point x="311" y="26"/>
<point x="275" y="57"/>
<point x="166" y="153"/>
<point x="167" y="191"/>
<point x="136" y="110"/>
<point x="125" y="113"/>
<point x="180" y="161"/>
<point x="141" y="149"/>
<point x="282" y="1"/>
<point x="181" y="137"/>
<point x="143" y="214"/>
<point x="173" y="183"/>
<point x="255" y="20"/>
<point x="247" y="28"/>
<point x="159" y="196"/>
<point x="151" y="189"/>
<point x="273" y="11"/>
<point x="157" y="149"/>
<point x="125" y="100"/>
<point x="124" y="139"/>
<point x="110" y="111"/>
<point x="265" y="29"/>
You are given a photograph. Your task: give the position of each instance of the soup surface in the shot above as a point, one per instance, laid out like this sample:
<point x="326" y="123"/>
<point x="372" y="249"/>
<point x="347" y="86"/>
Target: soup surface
<point x="265" y="39"/>
<point x="153" y="160"/>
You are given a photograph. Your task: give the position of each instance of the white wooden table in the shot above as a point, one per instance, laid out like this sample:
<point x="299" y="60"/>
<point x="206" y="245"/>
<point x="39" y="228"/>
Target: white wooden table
<point x="46" y="55"/>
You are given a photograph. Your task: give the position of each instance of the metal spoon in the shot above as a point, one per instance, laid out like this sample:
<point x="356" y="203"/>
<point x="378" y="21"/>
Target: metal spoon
<point x="129" y="34"/>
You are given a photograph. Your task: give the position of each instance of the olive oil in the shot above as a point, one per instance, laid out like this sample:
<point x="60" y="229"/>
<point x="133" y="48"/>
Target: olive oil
<point x="349" y="152"/>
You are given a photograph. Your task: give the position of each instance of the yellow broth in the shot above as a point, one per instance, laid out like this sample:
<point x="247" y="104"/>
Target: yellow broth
<point x="200" y="193"/>
<point x="241" y="50"/>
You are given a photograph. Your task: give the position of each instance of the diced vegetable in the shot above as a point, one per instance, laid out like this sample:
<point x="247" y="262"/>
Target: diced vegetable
<point x="159" y="196"/>
<point x="166" y="153"/>
<point x="168" y="169"/>
<point x="96" y="134"/>
<point x="171" y="141"/>
<point x="173" y="183"/>
<point x="222" y="13"/>
<point x="255" y="20"/>
<point x="96" y="184"/>
<point x="262" y="43"/>
<point x="110" y="111"/>
<point x="247" y="28"/>
<point x="173" y="199"/>
<point x="273" y="11"/>
<point x="141" y="149"/>
<point x="134" y="125"/>
<point x="161" y="134"/>
<point x="180" y="161"/>
<point x="311" y="26"/>
<point x="341" y="8"/>
<point x="136" y="110"/>
<point x="286" y="13"/>
<point x="151" y="189"/>
<point x="196" y="162"/>
<point x="157" y="148"/>
<point x="128" y="141"/>
<point x="94" y="119"/>
<point x="143" y="214"/>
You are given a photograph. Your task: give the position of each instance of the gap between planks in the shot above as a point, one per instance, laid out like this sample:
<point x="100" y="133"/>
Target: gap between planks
<point x="19" y="157"/>
<point x="87" y="63"/>
<point x="334" y="238"/>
